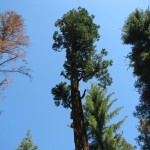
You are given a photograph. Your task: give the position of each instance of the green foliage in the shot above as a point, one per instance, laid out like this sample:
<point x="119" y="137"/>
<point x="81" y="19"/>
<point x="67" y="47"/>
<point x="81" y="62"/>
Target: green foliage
<point x="136" y="32"/>
<point x="144" y="137"/>
<point x="27" y="143"/>
<point x="97" y="113"/>
<point x="77" y="36"/>
<point x="62" y="95"/>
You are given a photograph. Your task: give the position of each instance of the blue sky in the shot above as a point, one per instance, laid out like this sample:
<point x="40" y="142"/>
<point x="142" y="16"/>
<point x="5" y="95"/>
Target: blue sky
<point x="29" y="104"/>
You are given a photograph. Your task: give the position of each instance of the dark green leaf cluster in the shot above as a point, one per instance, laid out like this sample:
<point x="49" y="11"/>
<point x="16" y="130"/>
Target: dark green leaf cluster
<point x="77" y="37"/>
<point x="78" y="31"/>
<point x="98" y="115"/>
<point x="62" y="95"/>
<point x="27" y="143"/>
<point x="136" y="32"/>
<point x="144" y="129"/>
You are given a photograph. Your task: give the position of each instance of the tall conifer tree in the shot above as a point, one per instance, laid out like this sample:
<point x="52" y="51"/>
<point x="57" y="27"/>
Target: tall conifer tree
<point x="77" y="36"/>
<point x="102" y="134"/>
<point x="136" y="32"/>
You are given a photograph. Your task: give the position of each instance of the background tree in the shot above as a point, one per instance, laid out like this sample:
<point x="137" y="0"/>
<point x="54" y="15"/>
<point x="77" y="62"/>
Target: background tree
<point x="77" y="36"/>
<point x="12" y="43"/>
<point x="103" y="135"/>
<point x="27" y="143"/>
<point x="136" y="32"/>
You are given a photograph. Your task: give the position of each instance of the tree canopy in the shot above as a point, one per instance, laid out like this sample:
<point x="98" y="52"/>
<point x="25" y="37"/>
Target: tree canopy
<point x="12" y="43"/>
<point x="27" y="143"/>
<point x="136" y="32"/>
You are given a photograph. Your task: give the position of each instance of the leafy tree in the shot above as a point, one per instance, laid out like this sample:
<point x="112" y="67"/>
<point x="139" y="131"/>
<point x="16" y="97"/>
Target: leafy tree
<point x="12" y="43"/>
<point x="77" y="36"/>
<point x="27" y="143"/>
<point x="103" y="135"/>
<point x="136" y="32"/>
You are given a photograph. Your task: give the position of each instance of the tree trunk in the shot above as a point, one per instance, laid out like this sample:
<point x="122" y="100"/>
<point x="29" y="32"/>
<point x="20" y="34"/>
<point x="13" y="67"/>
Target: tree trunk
<point x="80" y="135"/>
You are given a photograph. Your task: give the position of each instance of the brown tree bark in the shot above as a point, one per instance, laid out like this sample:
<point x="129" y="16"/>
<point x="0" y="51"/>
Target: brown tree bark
<point x="80" y="135"/>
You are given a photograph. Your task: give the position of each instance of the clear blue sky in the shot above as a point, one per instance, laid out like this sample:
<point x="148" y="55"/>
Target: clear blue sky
<point x="29" y="104"/>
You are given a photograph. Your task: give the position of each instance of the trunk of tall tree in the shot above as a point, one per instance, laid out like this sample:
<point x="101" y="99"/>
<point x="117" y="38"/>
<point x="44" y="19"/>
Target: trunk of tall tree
<point x="80" y="135"/>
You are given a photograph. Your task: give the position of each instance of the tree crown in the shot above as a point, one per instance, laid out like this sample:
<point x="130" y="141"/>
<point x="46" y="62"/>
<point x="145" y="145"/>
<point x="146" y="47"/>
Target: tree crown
<point x="27" y="143"/>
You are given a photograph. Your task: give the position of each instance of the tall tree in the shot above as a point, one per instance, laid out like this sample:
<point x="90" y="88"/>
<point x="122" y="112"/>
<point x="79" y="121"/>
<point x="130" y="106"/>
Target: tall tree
<point x="136" y="32"/>
<point x="102" y="134"/>
<point x="12" y="43"/>
<point x="77" y="36"/>
<point x="27" y="143"/>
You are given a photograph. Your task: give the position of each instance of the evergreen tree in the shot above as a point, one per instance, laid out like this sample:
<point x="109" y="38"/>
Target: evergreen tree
<point x="103" y="135"/>
<point x="77" y="36"/>
<point x="27" y="143"/>
<point x="136" y="32"/>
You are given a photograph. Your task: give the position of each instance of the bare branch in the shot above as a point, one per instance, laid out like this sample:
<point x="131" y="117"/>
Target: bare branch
<point x="8" y="60"/>
<point x="22" y="70"/>
<point x="83" y="95"/>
